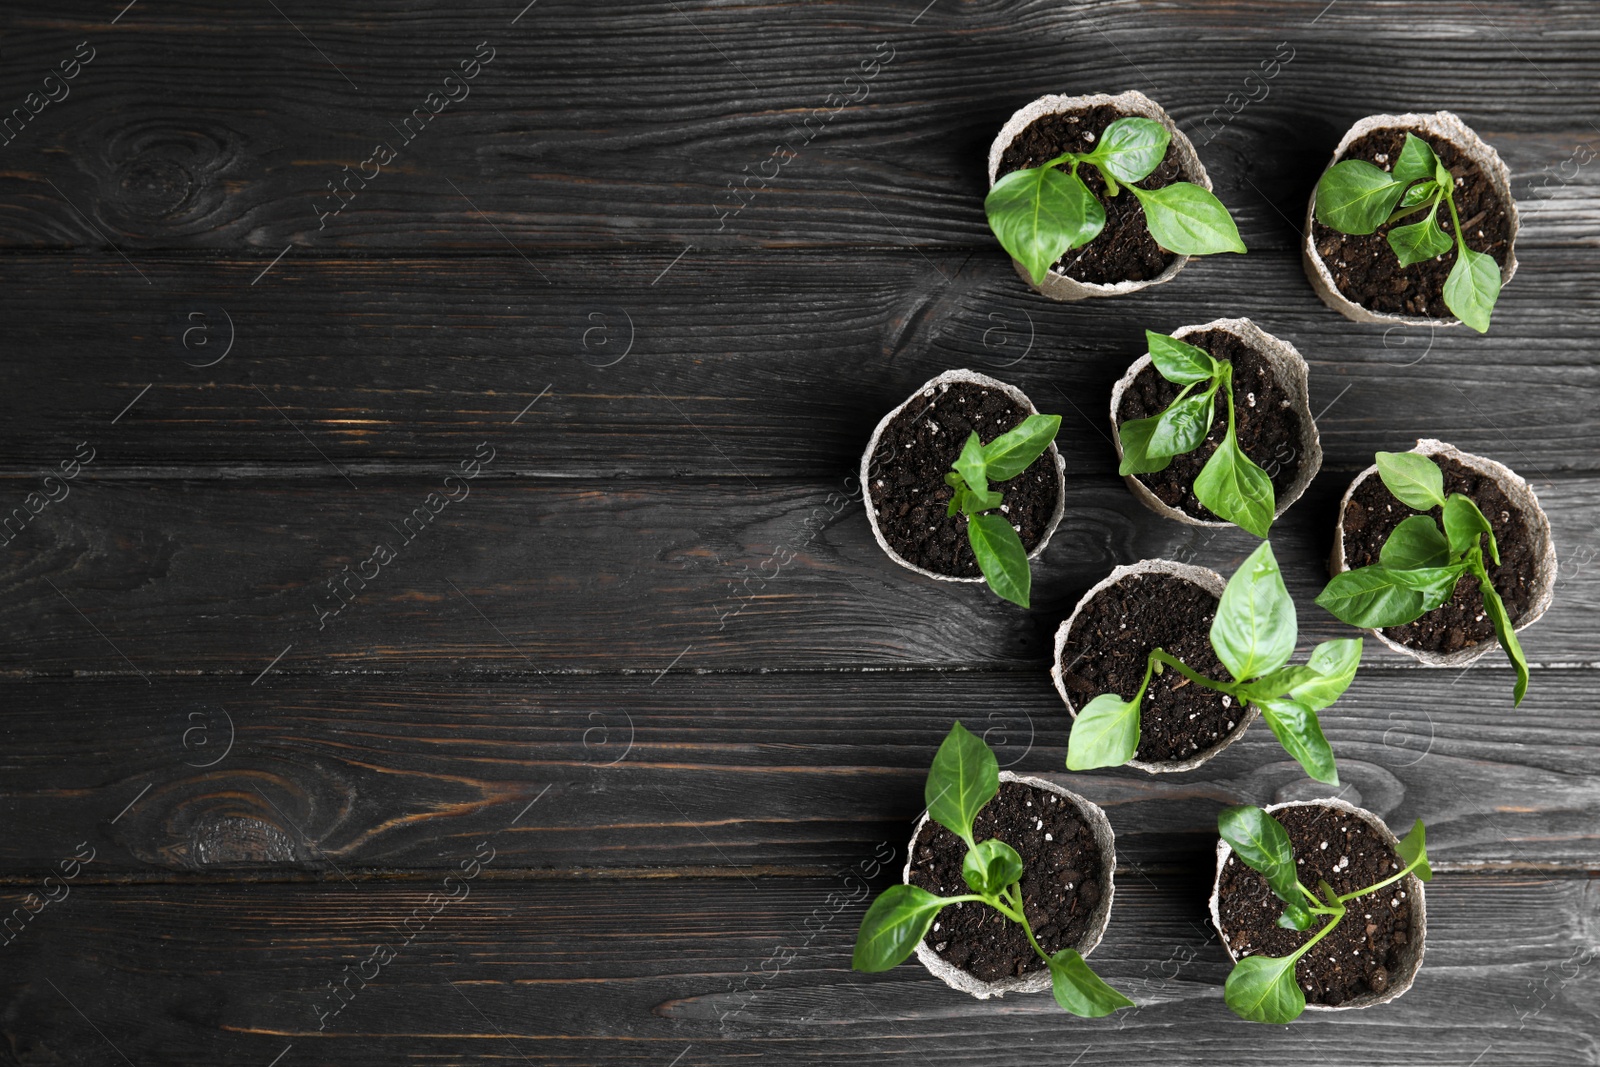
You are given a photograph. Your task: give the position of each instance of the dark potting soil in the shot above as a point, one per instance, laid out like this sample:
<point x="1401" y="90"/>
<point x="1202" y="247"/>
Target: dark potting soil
<point x="1461" y="621"/>
<point x="1124" y="251"/>
<point x="1107" y="649"/>
<point x="1368" y="945"/>
<point x="1061" y="883"/>
<point x="1268" y="424"/>
<point x="1366" y="270"/>
<point x="906" y="477"/>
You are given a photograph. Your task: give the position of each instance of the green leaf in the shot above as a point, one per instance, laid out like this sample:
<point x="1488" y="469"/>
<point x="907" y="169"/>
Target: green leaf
<point x="1463" y="523"/>
<point x="1040" y="213"/>
<point x="1279" y="682"/>
<point x="1263" y="845"/>
<point x="964" y="777"/>
<point x="1079" y="990"/>
<point x="1015" y="450"/>
<point x="1186" y="219"/>
<point x="1135" y="437"/>
<point x="972" y="503"/>
<point x="1295" y="917"/>
<point x="957" y="498"/>
<point x="1105" y="733"/>
<point x="1356" y="197"/>
<point x="990" y="866"/>
<point x="1254" y="630"/>
<point x="1414" y="479"/>
<point x="1416" y="160"/>
<point x="1418" y="195"/>
<point x="970" y="464"/>
<point x="1507" y="635"/>
<point x="1001" y="557"/>
<point x="1235" y="489"/>
<point x="1262" y="989"/>
<point x="1472" y="288"/>
<point x="1183" y="426"/>
<point x="1436" y="584"/>
<point x="1414" y="846"/>
<point x="1296" y="727"/>
<point x="892" y="926"/>
<point x="1416" y="542"/>
<point x="1335" y="663"/>
<point x="1131" y="148"/>
<point x="1178" y="361"/>
<point x="1371" y="596"/>
<point x="1419" y="241"/>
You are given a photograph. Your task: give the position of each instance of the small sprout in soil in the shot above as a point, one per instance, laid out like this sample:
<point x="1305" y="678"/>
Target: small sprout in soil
<point x="1253" y="635"/>
<point x="964" y="777"/>
<point x="1357" y="197"/>
<point x="994" y="540"/>
<point x="1418" y="566"/>
<point x="1041" y="213"/>
<point x="1263" y="989"/>
<point x="1230" y="484"/>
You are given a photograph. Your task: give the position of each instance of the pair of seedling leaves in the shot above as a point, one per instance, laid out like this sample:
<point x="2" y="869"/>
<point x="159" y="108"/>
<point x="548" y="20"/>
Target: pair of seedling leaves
<point x="1357" y="197"/>
<point x="964" y="777"/>
<point x="1419" y="566"/>
<point x="1041" y="213"/>
<point x="994" y="541"/>
<point x="1230" y="483"/>
<point x="1263" y="989"/>
<point x="1253" y="634"/>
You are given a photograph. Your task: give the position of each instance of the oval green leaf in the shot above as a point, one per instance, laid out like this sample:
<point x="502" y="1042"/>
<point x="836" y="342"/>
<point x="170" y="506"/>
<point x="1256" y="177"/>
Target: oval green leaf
<point x="1464" y="522"/>
<point x="1237" y="490"/>
<point x="1413" y="848"/>
<point x="1039" y="213"/>
<point x="1416" y="160"/>
<point x="1079" y="990"/>
<point x="893" y="925"/>
<point x="1356" y="197"/>
<point x="969" y="464"/>
<point x="1186" y="219"/>
<point x="1015" y="450"/>
<point x="1414" y="479"/>
<point x="1255" y="627"/>
<point x="964" y="777"/>
<point x="1135" y="437"/>
<point x="1131" y="148"/>
<point x="1178" y="361"/>
<point x="1416" y="542"/>
<point x="1296" y="727"/>
<point x="1472" y="288"/>
<point x="1419" y="241"/>
<point x="1183" y="426"/>
<point x="990" y="866"/>
<point x="1507" y="635"/>
<point x="1001" y="557"/>
<point x="1262" y="989"/>
<point x="1335" y="663"/>
<point x="1263" y="845"/>
<point x="1373" y="597"/>
<point x="1105" y="734"/>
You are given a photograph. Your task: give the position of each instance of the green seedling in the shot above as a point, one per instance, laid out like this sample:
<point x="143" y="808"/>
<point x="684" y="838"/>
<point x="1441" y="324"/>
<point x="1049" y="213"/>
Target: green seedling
<point x="1263" y="989"/>
<point x="1253" y="633"/>
<point x="964" y="777"/>
<point x="994" y="541"/>
<point x="1230" y="483"/>
<point x="1419" y="566"/>
<point x="1041" y="213"/>
<point x="1357" y="197"/>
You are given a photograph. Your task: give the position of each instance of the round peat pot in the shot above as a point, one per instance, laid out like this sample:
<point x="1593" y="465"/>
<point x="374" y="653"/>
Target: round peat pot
<point x="1283" y="373"/>
<point x="1326" y="834"/>
<point x="902" y="474"/>
<point x="1469" y="157"/>
<point x="1521" y="529"/>
<point x="1108" y="638"/>
<point x="1096" y="111"/>
<point x="1078" y="884"/>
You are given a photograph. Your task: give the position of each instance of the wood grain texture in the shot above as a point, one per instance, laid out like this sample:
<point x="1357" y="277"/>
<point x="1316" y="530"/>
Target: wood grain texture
<point x="384" y="365"/>
<point x="177" y="576"/>
<point x="641" y="972"/>
<point x="657" y="134"/>
<point x="795" y="771"/>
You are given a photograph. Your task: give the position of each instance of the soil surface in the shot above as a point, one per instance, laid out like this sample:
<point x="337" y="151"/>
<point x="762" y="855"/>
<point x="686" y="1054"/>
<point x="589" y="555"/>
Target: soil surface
<point x="1367" y="946"/>
<point x="906" y="477"/>
<point x="1061" y="883"/>
<point x="1461" y="621"/>
<point x="1110" y="642"/>
<point x="1268" y="424"/>
<point x="1366" y="270"/>
<point x="1124" y="251"/>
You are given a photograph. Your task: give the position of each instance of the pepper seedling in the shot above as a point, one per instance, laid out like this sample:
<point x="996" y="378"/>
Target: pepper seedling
<point x="1263" y="989"/>
<point x="1253" y="634"/>
<point x="1356" y="197"/>
<point x="1418" y="566"/>
<point x="1041" y="213"/>
<point x="1001" y="556"/>
<point x="964" y="777"/>
<point x="1230" y="483"/>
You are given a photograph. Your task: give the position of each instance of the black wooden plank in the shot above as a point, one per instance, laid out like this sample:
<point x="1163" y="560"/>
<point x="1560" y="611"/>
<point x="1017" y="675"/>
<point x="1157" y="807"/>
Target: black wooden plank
<point x="694" y="971"/>
<point x="363" y="777"/>
<point x="178" y="576"/>
<point x="728" y="365"/>
<point x="563" y="141"/>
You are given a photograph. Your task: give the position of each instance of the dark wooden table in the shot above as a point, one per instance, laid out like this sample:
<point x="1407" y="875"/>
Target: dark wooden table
<point x="577" y="769"/>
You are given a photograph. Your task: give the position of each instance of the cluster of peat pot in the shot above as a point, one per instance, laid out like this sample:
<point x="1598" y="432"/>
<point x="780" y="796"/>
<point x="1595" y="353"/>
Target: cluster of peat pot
<point x="1439" y="554"/>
